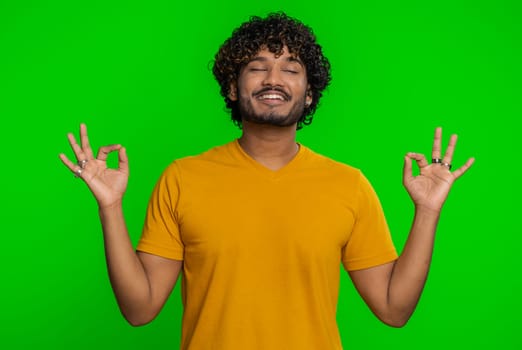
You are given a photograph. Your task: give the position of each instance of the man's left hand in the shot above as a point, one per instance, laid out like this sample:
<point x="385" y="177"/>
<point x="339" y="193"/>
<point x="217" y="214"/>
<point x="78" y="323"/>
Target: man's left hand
<point x="430" y="188"/>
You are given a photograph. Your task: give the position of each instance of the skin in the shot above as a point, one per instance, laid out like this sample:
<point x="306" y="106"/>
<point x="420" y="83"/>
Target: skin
<point x="261" y="77"/>
<point x="392" y="290"/>
<point x="142" y="282"/>
<point x="269" y="133"/>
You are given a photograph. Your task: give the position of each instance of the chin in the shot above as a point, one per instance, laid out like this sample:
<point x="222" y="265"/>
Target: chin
<point x="271" y="118"/>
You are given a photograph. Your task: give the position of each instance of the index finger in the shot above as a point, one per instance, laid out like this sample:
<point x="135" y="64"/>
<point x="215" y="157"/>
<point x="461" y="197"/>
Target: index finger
<point x="435" y="153"/>
<point x="84" y="139"/>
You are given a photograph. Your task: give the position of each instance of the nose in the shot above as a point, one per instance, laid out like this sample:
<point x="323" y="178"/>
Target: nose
<point x="272" y="77"/>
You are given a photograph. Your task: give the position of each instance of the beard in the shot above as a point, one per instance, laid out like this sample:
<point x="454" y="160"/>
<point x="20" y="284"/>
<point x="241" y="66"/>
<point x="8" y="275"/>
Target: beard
<point x="273" y="117"/>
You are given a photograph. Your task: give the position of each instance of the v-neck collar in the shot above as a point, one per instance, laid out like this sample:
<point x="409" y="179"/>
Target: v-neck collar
<point x="269" y="173"/>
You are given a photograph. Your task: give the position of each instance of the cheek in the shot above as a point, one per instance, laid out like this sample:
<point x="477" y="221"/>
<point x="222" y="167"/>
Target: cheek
<point x="245" y="87"/>
<point x="244" y="94"/>
<point x="300" y="86"/>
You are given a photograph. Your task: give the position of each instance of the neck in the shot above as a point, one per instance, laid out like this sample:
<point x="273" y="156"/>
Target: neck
<point x="271" y="146"/>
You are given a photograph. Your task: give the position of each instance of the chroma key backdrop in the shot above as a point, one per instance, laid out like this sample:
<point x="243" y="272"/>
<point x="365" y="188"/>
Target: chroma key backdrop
<point x="138" y="73"/>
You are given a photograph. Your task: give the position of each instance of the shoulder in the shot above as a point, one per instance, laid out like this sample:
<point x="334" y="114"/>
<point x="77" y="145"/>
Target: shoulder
<point x="203" y="162"/>
<point x="331" y="167"/>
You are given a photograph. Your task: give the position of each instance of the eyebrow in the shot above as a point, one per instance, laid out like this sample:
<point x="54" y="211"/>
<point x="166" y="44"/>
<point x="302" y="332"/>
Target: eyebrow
<point x="264" y="59"/>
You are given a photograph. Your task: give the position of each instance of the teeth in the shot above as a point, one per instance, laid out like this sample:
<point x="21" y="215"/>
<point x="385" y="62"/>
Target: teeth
<point x="271" y="97"/>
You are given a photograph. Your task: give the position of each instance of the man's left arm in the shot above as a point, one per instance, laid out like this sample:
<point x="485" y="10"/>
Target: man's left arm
<point x="392" y="290"/>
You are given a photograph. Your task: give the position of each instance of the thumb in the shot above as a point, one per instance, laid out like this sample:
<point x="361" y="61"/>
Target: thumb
<point x="123" y="161"/>
<point x="407" y="170"/>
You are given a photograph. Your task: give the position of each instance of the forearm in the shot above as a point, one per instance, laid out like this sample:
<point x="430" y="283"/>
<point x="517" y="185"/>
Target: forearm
<point x="126" y="272"/>
<point x="410" y="271"/>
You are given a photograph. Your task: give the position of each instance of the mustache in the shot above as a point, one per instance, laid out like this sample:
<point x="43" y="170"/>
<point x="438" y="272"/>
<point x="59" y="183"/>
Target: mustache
<point x="272" y="88"/>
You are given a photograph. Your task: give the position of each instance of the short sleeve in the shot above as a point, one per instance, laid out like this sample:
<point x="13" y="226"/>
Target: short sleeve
<point x="370" y="242"/>
<point x="161" y="234"/>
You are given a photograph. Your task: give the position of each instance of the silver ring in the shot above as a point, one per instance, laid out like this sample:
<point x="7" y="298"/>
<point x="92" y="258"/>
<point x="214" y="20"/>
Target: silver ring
<point x="447" y="165"/>
<point x="82" y="163"/>
<point x="78" y="172"/>
<point x="436" y="160"/>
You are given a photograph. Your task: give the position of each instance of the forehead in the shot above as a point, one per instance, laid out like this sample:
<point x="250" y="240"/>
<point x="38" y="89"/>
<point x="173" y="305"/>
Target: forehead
<point x="264" y="54"/>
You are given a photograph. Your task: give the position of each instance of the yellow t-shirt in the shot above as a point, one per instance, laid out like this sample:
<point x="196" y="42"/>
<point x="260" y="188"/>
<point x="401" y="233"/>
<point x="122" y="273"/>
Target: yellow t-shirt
<point x="262" y="249"/>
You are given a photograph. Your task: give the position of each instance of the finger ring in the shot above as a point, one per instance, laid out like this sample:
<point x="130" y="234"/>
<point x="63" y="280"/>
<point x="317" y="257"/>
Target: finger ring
<point x="82" y="163"/>
<point x="436" y="160"/>
<point x="447" y="165"/>
<point x="78" y="172"/>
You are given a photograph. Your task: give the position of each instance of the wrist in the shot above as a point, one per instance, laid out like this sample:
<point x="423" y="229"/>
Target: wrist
<point x="427" y="210"/>
<point x="106" y="207"/>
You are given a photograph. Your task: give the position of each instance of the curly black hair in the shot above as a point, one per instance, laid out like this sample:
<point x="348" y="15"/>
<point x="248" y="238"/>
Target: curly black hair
<point x="274" y="32"/>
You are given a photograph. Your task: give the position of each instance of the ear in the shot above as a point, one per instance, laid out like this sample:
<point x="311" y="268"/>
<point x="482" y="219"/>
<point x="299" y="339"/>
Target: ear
<point x="232" y="93"/>
<point x="308" y="98"/>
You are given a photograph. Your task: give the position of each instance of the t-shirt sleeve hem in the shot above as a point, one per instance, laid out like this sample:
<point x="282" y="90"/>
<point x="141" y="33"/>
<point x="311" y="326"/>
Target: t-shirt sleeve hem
<point x="159" y="251"/>
<point x="373" y="261"/>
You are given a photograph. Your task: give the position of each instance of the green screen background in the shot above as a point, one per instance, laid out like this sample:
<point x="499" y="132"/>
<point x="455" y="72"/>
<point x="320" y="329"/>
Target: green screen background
<point x="138" y="74"/>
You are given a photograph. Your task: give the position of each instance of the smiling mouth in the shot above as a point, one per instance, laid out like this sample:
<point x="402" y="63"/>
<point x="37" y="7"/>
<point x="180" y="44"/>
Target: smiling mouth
<point x="272" y="95"/>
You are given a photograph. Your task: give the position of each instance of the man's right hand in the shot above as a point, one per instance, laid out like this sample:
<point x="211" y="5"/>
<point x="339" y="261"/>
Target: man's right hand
<point x="108" y="185"/>
<point x="141" y="282"/>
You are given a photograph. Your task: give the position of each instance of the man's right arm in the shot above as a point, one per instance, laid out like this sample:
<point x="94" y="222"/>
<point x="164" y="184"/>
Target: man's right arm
<point x="141" y="282"/>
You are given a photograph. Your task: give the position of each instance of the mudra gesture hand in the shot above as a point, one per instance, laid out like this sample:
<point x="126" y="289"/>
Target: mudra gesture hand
<point x="430" y="188"/>
<point x="107" y="185"/>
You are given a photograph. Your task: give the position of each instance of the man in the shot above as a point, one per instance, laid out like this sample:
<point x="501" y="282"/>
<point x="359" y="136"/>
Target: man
<point x="261" y="225"/>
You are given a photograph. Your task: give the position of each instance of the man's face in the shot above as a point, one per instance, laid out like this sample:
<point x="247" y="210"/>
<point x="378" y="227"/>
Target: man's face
<point x="272" y="90"/>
